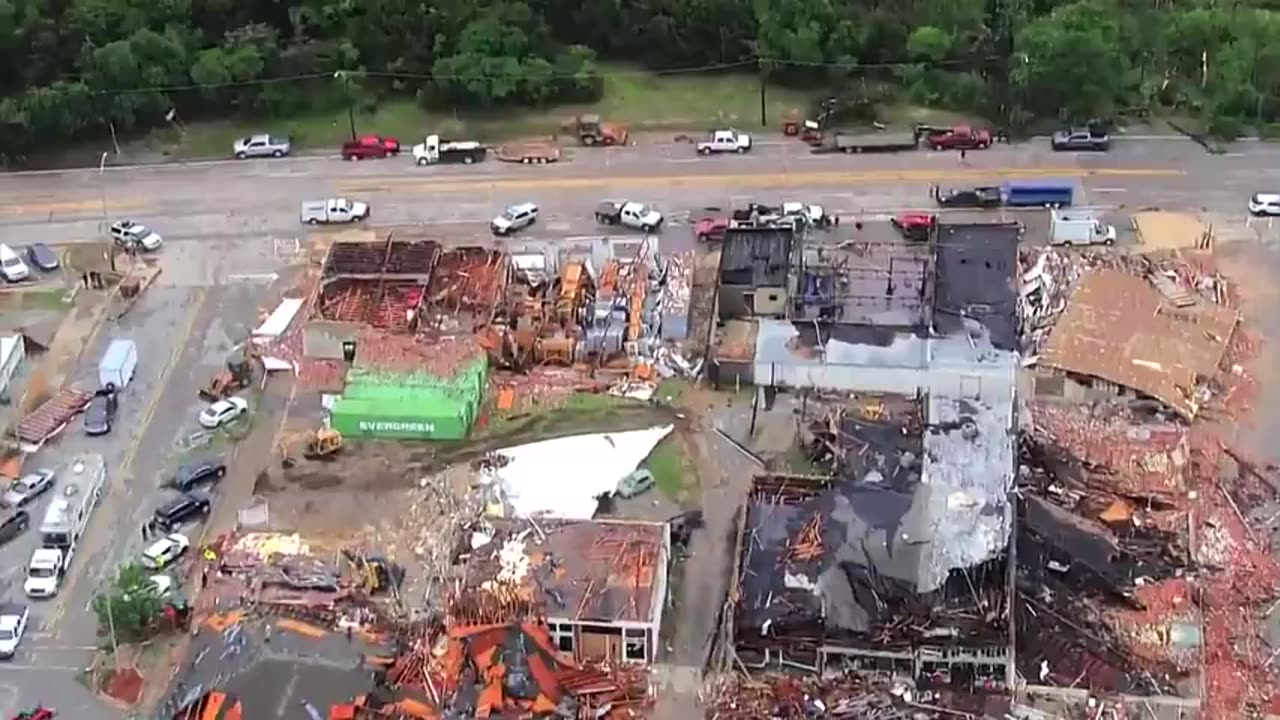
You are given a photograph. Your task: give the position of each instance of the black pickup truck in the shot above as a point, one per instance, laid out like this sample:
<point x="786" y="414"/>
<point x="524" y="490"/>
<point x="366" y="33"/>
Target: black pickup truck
<point x="968" y="197"/>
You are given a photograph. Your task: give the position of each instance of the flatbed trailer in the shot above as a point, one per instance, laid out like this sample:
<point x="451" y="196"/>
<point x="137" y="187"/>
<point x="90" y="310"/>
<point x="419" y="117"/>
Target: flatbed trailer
<point x="537" y="152"/>
<point x="870" y="142"/>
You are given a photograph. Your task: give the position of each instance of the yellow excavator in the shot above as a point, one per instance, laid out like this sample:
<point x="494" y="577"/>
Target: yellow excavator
<point x="317" y="445"/>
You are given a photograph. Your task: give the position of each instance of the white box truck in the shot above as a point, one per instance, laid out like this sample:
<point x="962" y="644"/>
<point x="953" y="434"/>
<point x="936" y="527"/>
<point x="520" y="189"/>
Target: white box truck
<point x="118" y="364"/>
<point x="1076" y="229"/>
<point x="83" y="483"/>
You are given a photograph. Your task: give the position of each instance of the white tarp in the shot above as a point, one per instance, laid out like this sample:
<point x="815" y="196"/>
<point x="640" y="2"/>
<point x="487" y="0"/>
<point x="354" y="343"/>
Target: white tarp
<point x="278" y="321"/>
<point x="562" y="477"/>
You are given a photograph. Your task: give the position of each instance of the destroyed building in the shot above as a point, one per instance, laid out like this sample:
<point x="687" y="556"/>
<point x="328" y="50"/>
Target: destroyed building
<point x="755" y="271"/>
<point x="601" y="584"/>
<point x="895" y="563"/>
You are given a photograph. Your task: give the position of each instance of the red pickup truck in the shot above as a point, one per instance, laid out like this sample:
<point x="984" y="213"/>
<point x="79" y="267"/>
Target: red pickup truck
<point x="370" y="146"/>
<point x="960" y="137"/>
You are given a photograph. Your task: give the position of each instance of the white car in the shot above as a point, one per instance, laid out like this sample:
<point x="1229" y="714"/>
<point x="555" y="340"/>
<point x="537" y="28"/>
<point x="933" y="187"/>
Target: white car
<point x="13" y="622"/>
<point x="11" y="266"/>
<point x="514" y="218"/>
<point x="1264" y="204"/>
<point x="223" y="412"/>
<point x="164" y="551"/>
<point x="129" y="234"/>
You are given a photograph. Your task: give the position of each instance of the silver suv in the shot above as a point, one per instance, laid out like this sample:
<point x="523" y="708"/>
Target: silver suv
<point x="261" y="146"/>
<point x="514" y="218"/>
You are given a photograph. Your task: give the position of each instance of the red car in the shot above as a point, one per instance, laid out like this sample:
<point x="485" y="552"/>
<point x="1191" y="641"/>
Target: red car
<point x="915" y="226"/>
<point x="370" y="146"/>
<point x="711" y="229"/>
<point x="960" y="137"/>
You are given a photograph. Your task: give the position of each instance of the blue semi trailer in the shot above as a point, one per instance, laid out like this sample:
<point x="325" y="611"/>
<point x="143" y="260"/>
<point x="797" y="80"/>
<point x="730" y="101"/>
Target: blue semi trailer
<point x="1038" y="194"/>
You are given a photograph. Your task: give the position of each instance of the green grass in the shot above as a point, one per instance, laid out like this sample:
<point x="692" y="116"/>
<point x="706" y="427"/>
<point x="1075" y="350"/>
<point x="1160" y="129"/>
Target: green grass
<point x="42" y="299"/>
<point x="673" y="473"/>
<point x="642" y="100"/>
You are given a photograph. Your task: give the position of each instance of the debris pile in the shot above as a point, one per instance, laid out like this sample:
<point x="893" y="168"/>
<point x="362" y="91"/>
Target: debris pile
<point x="775" y="695"/>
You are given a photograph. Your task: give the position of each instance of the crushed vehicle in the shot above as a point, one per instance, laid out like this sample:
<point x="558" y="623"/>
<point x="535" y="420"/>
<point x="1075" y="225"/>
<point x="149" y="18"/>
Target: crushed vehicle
<point x="725" y="141"/>
<point x="960" y="137"/>
<point x="985" y="196"/>
<point x="814" y="214"/>
<point x="333" y="210"/>
<point x="434" y="151"/>
<point x="630" y="214"/>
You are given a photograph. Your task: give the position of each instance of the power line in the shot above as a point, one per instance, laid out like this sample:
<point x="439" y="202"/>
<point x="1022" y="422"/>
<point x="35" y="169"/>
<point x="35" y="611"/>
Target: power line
<point x="717" y="67"/>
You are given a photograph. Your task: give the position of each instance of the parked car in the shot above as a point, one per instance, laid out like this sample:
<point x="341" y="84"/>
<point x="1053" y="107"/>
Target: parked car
<point x="725" y="141"/>
<point x="223" y="411"/>
<point x="262" y="145"/>
<point x="960" y="137"/>
<point x="188" y="505"/>
<point x="711" y="229"/>
<point x="13" y="623"/>
<point x="514" y="218"/>
<point x="161" y="554"/>
<point x="13" y="524"/>
<point x="370" y="146"/>
<point x="100" y="412"/>
<point x="1264" y="204"/>
<point x="42" y="257"/>
<point x="26" y="489"/>
<point x="333" y="210"/>
<point x="11" y="266"/>
<point x="131" y="236"/>
<point x="1081" y="139"/>
<point x="635" y="483"/>
<point x="968" y="197"/>
<point x="198" y="472"/>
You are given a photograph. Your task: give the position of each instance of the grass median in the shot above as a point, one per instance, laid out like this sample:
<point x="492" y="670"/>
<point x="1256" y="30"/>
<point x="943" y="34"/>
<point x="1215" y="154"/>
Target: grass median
<point x="642" y="100"/>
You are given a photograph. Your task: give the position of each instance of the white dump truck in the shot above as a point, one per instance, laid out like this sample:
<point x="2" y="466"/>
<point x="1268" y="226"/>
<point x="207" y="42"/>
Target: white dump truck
<point x="83" y="483"/>
<point x="1073" y="228"/>
<point x="333" y="210"/>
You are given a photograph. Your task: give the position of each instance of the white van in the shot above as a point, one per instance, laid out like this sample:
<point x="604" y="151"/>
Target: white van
<point x="11" y="266"/>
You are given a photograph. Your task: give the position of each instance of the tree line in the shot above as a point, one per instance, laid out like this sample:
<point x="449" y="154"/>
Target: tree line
<point x="82" y="67"/>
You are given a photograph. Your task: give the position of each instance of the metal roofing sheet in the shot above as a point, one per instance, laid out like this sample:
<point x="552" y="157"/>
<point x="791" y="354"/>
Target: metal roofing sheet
<point x="1117" y="327"/>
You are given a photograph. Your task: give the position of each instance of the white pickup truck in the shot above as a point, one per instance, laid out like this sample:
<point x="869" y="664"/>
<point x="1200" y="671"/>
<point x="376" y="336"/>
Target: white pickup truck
<point x="631" y="214"/>
<point x="45" y="571"/>
<point x="725" y="141"/>
<point x="333" y="210"/>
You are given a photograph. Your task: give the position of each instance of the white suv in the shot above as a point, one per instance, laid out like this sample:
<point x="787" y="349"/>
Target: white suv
<point x="514" y="218"/>
<point x="1264" y="204"/>
<point x="129" y="234"/>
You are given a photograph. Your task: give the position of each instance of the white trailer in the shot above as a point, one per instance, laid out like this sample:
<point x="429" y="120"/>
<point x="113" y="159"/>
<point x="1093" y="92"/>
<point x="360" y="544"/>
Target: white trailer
<point x="83" y="482"/>
<point x="118" y="364"/>
<point x="1076" y="229"/>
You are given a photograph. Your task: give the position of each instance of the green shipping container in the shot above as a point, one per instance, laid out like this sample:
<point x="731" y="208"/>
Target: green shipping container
<point x="399" y="420"/>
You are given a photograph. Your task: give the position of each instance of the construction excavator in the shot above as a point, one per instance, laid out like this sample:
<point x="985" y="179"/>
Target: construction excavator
<point x="238" y="375"/>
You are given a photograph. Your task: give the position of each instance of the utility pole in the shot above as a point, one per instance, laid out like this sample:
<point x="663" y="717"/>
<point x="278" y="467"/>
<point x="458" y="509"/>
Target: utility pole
<point x="106" y="223"/>
<point x="111" y="625"/>
<point x="764" y="82"/>
<point x="345" y="77"/>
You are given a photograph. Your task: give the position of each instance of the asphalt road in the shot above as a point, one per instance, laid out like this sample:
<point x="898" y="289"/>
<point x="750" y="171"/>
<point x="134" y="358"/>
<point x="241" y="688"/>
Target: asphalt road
<point x="230" y="225"/>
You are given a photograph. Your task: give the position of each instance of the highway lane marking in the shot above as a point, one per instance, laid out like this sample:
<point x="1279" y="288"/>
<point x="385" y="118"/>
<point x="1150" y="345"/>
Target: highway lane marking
<point x="760" y="180"/>
<point x="69" y="206"/>
<point x="1109" y="190"/>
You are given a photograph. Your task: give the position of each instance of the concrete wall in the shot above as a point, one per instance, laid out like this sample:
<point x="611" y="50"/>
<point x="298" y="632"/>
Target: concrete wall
<point x="741" y="301"/>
